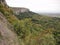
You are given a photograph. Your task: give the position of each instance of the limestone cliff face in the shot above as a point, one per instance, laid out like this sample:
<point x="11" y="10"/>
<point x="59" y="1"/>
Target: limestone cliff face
<point x="3" y="2"/>
<point x="17" y="10"/>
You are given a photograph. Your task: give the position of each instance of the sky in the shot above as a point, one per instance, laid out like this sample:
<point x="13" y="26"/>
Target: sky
<point x="43" y="6"/>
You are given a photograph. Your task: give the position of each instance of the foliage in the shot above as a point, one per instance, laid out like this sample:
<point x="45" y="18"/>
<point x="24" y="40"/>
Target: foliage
<point x="33" y="29"/>
<point x="40" y="23"/>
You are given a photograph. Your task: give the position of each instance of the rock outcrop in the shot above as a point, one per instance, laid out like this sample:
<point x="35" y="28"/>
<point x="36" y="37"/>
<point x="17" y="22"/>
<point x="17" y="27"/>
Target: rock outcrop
<point x="3" y="2"/>
<point x="18" y="10"/>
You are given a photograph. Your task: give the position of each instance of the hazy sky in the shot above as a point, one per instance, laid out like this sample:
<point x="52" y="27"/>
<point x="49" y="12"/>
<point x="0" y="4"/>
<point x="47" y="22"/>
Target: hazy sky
<point x="52" y="6"/>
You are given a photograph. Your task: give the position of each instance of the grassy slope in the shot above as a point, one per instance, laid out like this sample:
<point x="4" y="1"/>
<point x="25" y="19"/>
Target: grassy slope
<point x="49" y="24"/>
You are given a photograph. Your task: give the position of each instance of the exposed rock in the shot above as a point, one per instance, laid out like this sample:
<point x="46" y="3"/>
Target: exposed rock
<point x="18" y="10"/>
<point x="3" y="2"/>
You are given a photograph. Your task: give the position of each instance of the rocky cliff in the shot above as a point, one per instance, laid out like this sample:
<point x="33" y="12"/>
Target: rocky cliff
<point x="3" y="2"/>
<point x="18" y="10"/>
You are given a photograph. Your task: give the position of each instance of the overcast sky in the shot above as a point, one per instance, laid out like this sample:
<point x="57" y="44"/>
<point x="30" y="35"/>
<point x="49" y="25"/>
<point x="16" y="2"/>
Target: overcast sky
<point x="52" y="6"/>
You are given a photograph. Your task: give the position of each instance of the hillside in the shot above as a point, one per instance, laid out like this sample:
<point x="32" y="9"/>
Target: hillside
<point x="7" y="37"/>
<point x="42" y="25"/>
<point x="27" y="28"/>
